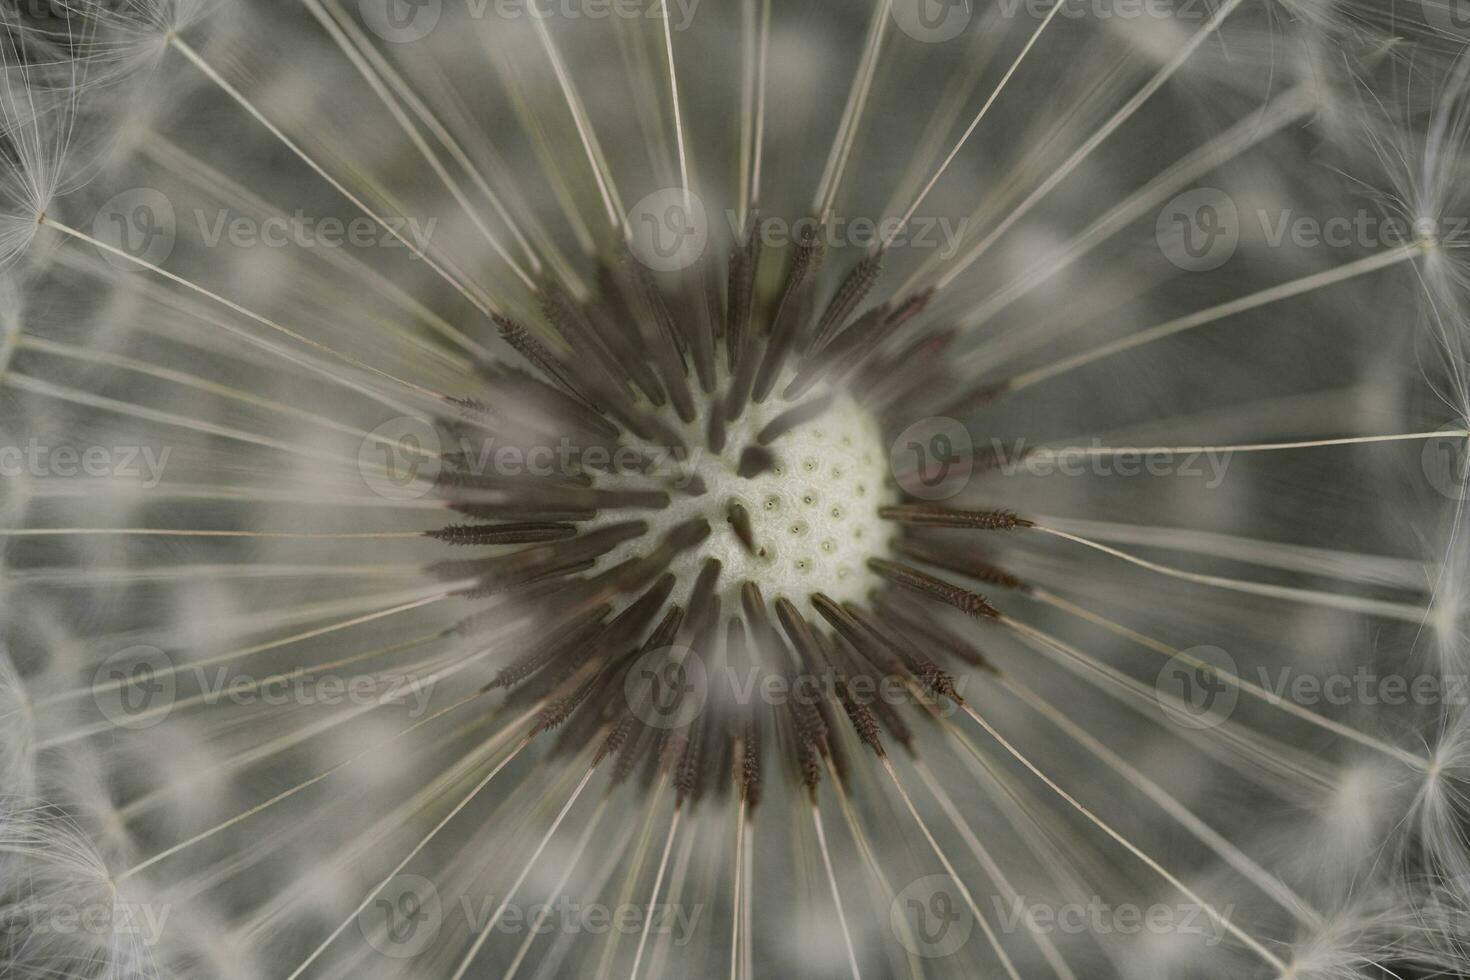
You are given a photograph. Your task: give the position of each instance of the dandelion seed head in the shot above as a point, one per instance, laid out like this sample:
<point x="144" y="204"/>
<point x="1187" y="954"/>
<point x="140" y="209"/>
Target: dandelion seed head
<point x="775" y="669"/>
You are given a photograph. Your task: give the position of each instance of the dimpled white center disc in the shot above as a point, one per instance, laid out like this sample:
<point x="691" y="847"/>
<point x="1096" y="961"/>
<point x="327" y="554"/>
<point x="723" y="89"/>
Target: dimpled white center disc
<point x="814" y="516"/>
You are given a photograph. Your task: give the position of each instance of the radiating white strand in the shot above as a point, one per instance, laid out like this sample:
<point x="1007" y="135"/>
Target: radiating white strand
<point x="908" y="215"/>
<point x="1269" y="884"/>
<point x="1301" y="777"/>
<point x="949" y="869"/>
<point x="1244" y="135"/>
<point x="857" y="101"/>
<point x="1404" y="611"/>
<point x="739" y="885"/>
<point x="836" y="892"/>
<point x="885" y="890"/>
<point x="249" y="314"/>
<point x="439" y="130"/>
<point x="168" y="155"/>
<point x="192" y="309"/>
<point x="1274" y="294"/>
<point x="1059" y="452"/>
<point x="658" y="881"/>
<point x="757" y="151"/>
<point x="1043" y="941"/>
<point x="371" y="839"/>
<point x="377" y="614"/>
<point x="585" y="132"/>
<point x="568" y="867"/>
<point x="473" y="294"/>
<point x="1234" y="680"/>
<point x="37" y="386"/>
<point x="284" y="795"/>
<point x="350" y="48"/>
<point x="630" y="880"/>
<point x="424" y="842"/>
<point x="1093" y="142"/>
<point x="674" y="101"/>
<point x="510" y="893"/>
<point x="197" y="383"/>
<point x="1214" y="913"/>
<point x="1362" y="569"/>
